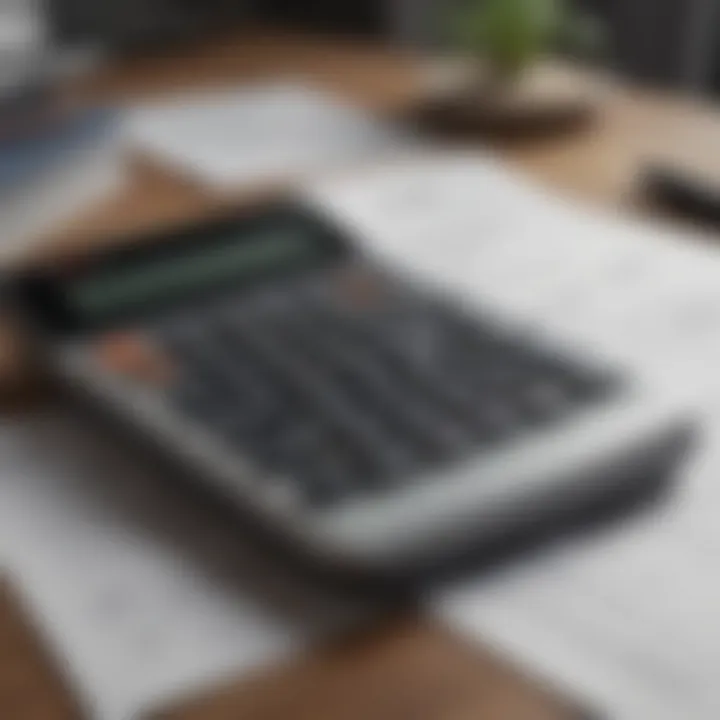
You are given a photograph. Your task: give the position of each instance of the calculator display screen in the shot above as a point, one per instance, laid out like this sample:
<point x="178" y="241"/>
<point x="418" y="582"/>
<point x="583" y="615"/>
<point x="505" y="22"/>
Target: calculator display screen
<point x="128" y="282"/>
<point x="147" y="277"/>
<point x="227" y="259"/>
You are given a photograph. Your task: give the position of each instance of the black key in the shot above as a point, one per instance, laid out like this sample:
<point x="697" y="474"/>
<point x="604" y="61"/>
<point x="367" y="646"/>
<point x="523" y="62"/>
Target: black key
<point x="304" y="378"/>
<point x="443" y="390"/>
<point x="374" y="384"/>
<point x="225" y="387"/>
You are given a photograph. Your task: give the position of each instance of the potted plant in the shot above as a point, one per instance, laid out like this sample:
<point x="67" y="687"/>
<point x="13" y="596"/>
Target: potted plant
<point x="505" y="40"/>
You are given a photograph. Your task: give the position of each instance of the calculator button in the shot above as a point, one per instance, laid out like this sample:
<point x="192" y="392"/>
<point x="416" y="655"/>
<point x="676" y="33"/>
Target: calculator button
<point x="135" y="356"/>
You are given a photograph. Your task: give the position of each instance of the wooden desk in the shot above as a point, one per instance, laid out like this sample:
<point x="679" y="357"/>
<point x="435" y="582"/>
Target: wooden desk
<point x="408" y="669"/>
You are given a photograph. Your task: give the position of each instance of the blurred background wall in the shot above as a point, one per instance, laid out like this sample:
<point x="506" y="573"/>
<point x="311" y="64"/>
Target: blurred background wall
<point x="667" y="41"/>
<point x="139" y="22"/>
<point x="671" y="41"/>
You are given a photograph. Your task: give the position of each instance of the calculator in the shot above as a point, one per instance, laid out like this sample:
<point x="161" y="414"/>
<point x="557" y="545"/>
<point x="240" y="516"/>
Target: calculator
<point x="365" y="420"/>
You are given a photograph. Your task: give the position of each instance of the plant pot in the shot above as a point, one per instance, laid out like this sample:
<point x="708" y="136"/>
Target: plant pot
<point x="548" y="101"/>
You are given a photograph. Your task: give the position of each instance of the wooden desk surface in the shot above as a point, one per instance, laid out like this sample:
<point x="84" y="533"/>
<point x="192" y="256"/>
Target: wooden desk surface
<point x="405" y="670"/>
<point x="408" y="669"/>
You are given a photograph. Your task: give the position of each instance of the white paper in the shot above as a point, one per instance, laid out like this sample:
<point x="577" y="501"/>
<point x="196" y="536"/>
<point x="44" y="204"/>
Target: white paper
<point x="143" y="594"/>
<point x="613" y="287"/>
<point x="627" y="620"/>
<point x="271" y="132"/>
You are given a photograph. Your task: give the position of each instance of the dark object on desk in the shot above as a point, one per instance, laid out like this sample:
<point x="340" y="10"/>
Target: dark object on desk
<point x="683" y="192"/>
<point x="367" y="424"/>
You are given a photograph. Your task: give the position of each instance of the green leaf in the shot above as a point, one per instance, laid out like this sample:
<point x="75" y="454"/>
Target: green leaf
<point x="510" y="33"/>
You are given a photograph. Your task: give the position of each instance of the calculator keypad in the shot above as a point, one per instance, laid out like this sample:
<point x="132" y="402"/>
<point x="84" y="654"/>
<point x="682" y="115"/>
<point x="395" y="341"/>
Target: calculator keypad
<point x="348" y="394"/>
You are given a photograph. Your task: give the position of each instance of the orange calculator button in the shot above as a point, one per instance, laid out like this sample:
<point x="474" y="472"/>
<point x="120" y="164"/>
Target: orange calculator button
<point x="135" y="355"/>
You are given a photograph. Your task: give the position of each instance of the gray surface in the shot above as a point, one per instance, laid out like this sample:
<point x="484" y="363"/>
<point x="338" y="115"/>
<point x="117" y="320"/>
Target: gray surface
<point x="667" y="41"/>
